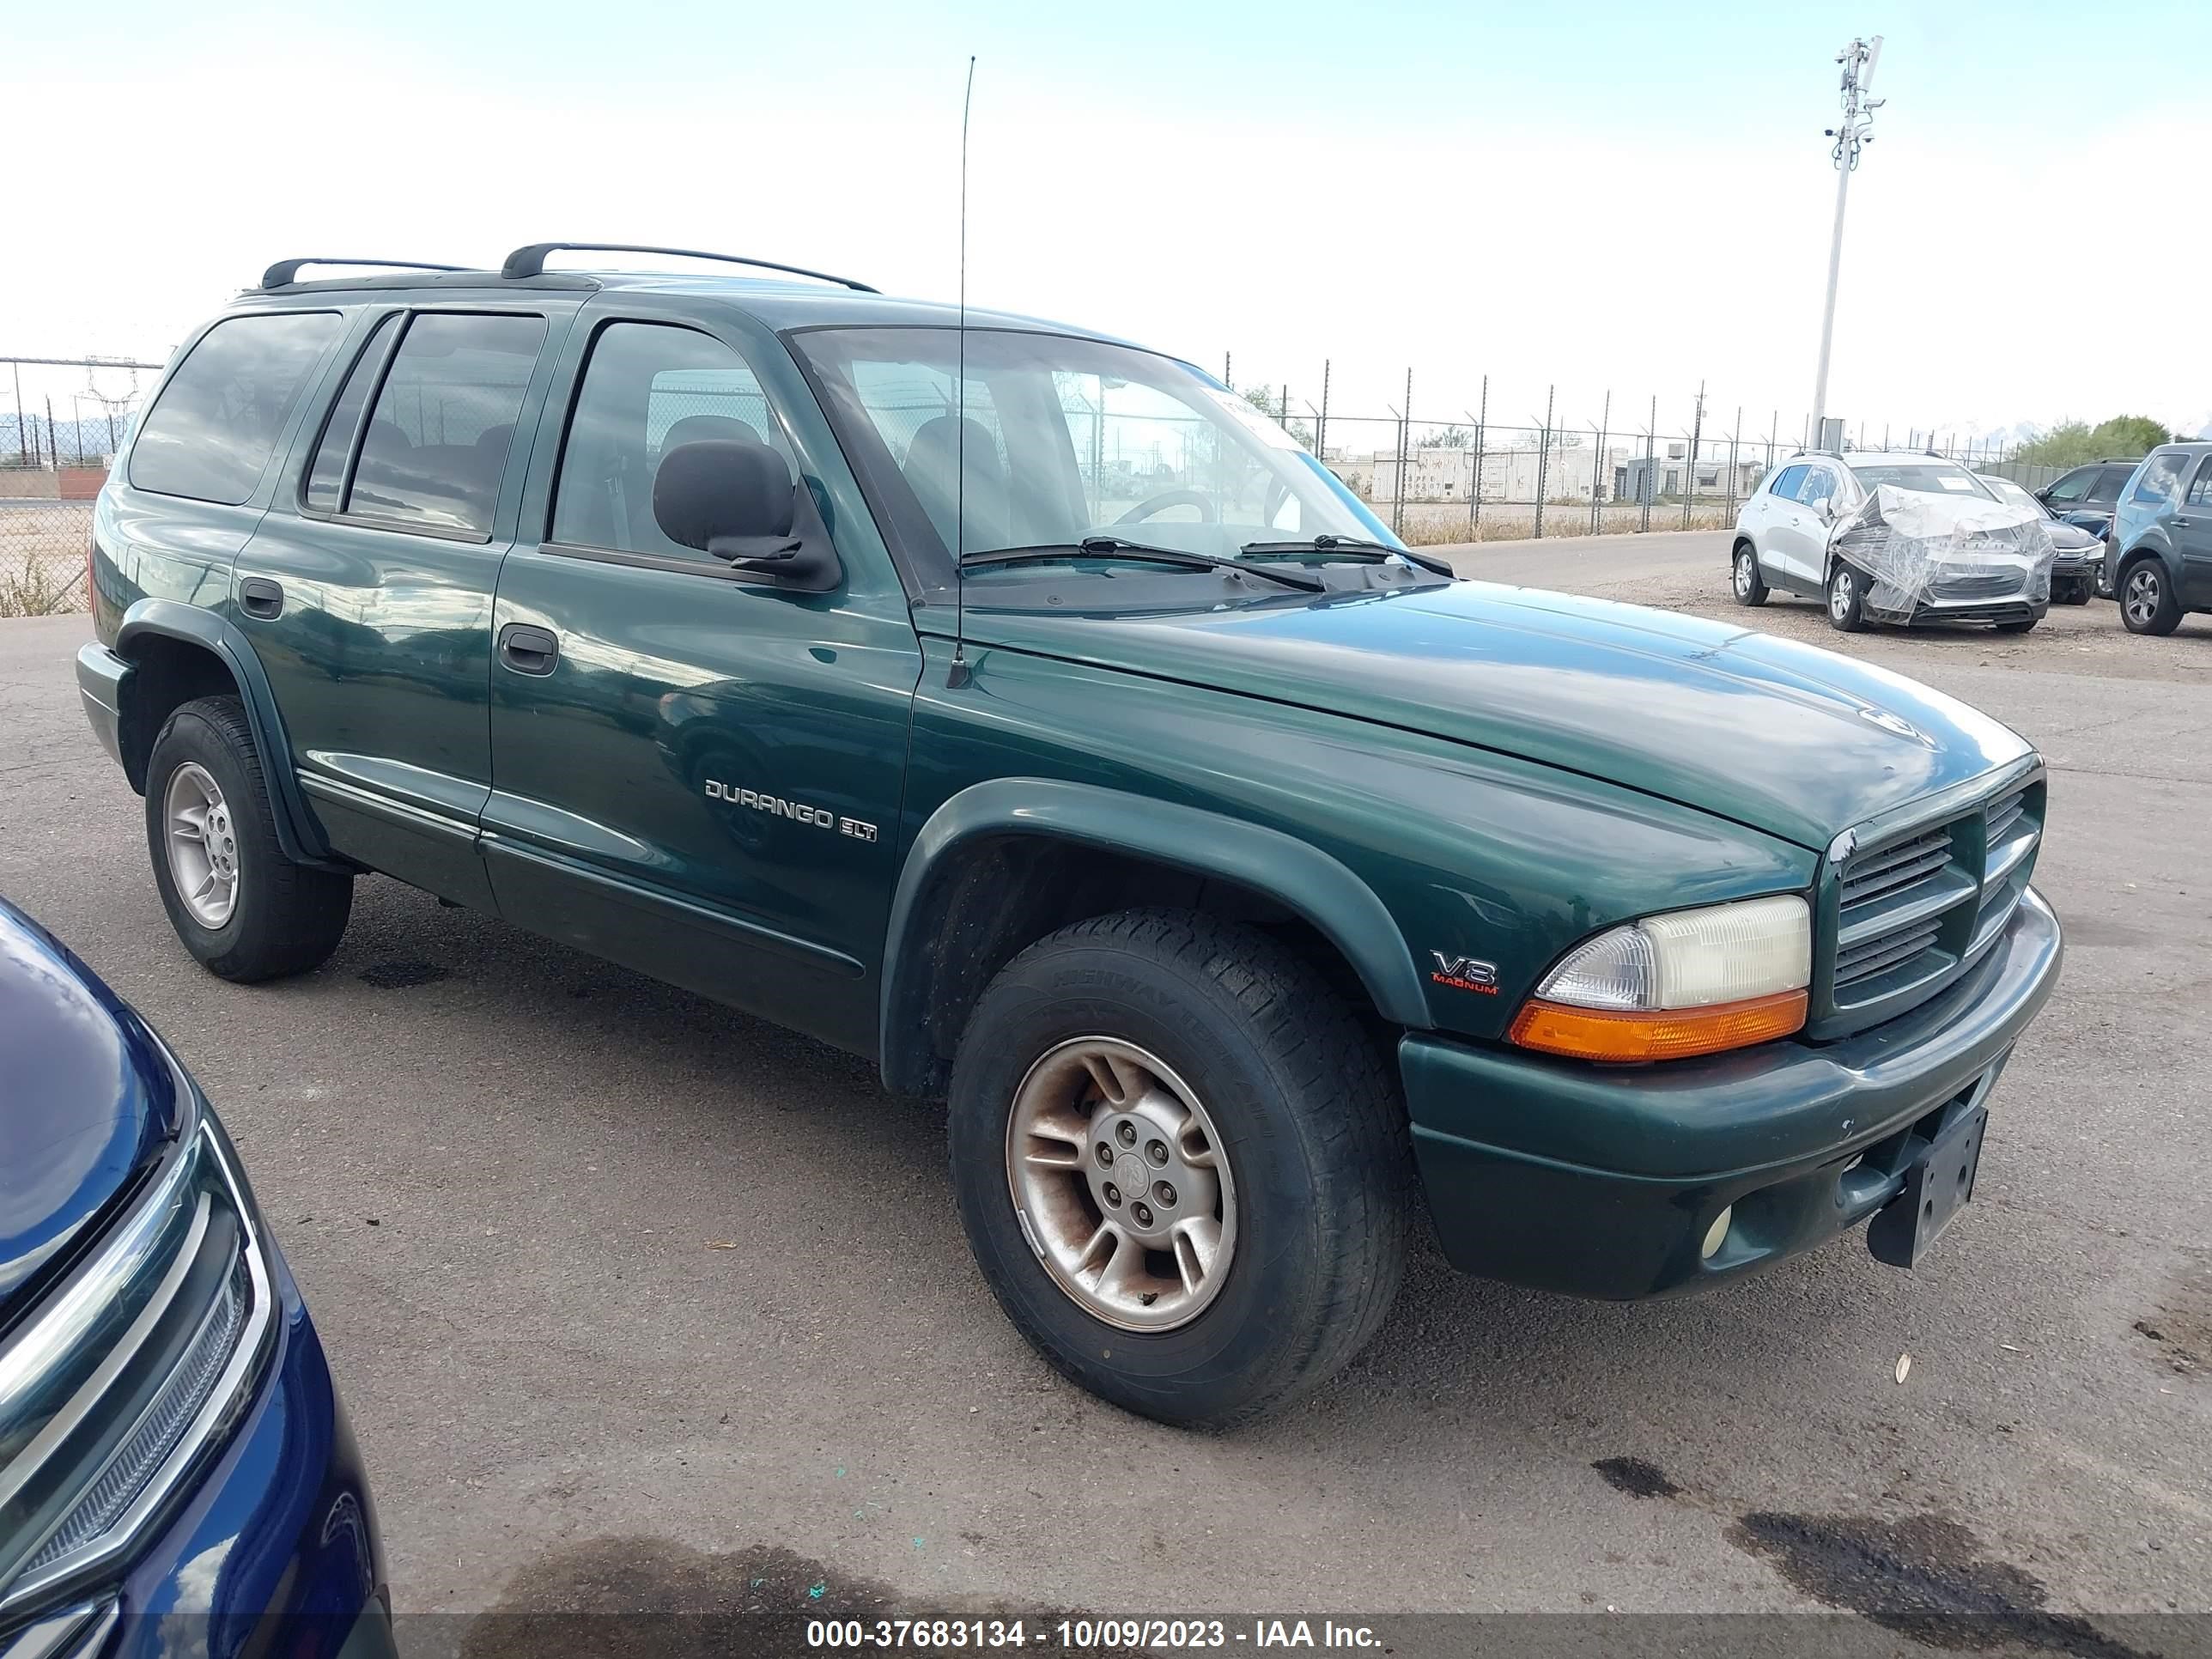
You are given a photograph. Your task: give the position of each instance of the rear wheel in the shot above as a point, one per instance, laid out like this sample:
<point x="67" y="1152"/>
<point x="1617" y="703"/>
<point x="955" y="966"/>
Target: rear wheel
<point x="1750" y="581"/>
<point x="1181" y="1164"/>
<point x="243" y="909"/>
<point x="1846" y="599"/>
<point x="2148" y="604"/>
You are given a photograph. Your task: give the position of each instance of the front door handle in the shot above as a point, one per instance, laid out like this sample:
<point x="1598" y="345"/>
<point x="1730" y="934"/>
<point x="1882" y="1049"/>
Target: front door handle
<point x="528" y="650"/>
<point x="259" y="597"/>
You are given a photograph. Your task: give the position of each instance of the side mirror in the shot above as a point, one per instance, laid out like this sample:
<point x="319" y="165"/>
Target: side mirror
<point x="737" y="502"/>
<point x="1826" y="509"/>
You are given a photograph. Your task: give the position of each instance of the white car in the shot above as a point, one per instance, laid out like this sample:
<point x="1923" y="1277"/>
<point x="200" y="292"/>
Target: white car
<point x="1813" y="528"/>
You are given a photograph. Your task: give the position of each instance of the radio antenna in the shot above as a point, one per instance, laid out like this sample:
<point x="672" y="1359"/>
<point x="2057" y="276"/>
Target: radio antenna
<point x="957" y="675"/>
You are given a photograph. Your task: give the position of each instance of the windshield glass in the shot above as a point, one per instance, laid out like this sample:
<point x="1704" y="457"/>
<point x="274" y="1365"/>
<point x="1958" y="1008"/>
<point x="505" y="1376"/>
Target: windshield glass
<point x="2012" y="495"/>
<point x="1929" y="478"/>
<point x="1066" y="439"/>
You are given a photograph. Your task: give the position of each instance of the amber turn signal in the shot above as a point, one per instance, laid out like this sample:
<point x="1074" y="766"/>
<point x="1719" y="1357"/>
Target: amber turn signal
<point x="1657" y="1034"/>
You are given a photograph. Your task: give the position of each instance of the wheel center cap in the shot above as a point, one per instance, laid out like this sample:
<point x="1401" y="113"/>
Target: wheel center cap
<point x="1133" y="1177"/>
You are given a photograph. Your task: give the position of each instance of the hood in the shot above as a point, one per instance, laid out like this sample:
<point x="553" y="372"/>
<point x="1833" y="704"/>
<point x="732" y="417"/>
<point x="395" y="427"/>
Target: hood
<point x="1796" y="741"/>
<point x="2072" y="537"/>
<point x="88" y="1099"/>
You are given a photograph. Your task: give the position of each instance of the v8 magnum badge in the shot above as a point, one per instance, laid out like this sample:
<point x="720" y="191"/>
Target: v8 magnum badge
<point x="1465" y="972"/>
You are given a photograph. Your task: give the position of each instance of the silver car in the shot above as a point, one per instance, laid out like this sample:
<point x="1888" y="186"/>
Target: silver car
<point x="1894" y="537"/>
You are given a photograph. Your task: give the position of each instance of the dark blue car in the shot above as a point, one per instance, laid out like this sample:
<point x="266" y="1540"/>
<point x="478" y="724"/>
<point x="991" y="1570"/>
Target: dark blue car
<point x="175" y="1469"/>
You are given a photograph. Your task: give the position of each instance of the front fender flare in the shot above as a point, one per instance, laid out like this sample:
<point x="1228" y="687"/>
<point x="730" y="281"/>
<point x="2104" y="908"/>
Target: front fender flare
<point x="299" y="836"/>
<point x="1294" y="873"/>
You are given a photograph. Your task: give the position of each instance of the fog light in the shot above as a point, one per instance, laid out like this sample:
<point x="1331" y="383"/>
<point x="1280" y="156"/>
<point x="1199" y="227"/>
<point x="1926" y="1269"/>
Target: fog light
<point x="1716" y="1235"/>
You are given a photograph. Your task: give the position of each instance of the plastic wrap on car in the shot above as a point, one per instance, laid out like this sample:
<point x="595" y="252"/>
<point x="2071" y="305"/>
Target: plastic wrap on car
<point x="1918" y="549"/>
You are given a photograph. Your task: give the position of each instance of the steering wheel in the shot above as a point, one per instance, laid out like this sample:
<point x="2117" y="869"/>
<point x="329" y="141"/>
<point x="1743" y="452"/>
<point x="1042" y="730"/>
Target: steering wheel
<point x="1197" y="498"/>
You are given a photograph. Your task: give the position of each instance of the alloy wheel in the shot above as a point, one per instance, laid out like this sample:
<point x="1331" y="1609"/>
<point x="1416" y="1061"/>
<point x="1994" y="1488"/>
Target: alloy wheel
<point x="1840" y="595"/>
<point x="1122" y="1184"/>
<point x="2142" y="598"/>
<point x="203" y="844"/>
<point x="1743" y="574"/>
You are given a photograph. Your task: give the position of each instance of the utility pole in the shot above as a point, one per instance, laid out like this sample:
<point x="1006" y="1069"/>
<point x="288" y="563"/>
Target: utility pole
<point x="1859" y="60"/>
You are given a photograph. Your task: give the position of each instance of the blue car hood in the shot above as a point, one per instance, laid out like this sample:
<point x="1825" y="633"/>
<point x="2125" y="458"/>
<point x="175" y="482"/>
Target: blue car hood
<point x="86" y="1099"/>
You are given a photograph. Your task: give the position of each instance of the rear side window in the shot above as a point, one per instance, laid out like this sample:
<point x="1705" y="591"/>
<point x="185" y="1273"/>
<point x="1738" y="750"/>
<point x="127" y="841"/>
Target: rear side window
<point x="1788" y="484"/>
<point x="2161" y="483"/>
<point x="436" y="445"/>
<point x="210" y="434"/>
<point x="649" y="388"/>
<point x="2200" y="492"/>
<point x="328" y="472"/>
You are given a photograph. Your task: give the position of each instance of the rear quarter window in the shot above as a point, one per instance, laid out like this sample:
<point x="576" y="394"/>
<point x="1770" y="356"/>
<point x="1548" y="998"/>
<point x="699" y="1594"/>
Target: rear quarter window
<point x="210" y="435"/>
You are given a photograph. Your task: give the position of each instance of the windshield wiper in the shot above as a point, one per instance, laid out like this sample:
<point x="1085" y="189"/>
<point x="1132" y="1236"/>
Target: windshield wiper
<point x="1113" y="547"/>
<point x="1373" y="552"/>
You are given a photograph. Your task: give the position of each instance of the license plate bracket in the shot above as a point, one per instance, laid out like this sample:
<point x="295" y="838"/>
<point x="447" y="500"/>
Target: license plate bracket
<point x="1938" y="1183"/>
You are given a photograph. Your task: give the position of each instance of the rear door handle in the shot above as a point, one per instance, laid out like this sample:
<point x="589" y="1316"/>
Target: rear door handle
<point x="528" y="650"/>
<point x="259" y="597"/>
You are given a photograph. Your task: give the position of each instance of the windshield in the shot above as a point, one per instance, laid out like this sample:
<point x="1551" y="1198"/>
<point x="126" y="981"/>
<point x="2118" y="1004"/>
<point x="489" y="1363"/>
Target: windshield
<point x="1065" y="439"/>
<point x="2012" y="494"/>
<point x="1928" y="477"/>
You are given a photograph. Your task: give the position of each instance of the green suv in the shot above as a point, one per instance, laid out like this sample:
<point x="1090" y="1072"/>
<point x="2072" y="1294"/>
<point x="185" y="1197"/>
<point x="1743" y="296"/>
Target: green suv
<point x="1020" y="709"/>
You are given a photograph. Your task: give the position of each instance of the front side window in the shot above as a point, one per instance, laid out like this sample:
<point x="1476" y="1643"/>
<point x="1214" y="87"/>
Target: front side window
<point x="1050" y="441"/>
<point x="2075" y="486"/>
<point x="649" y="388"/>
<point x="436" y="447"/>
<point x="1819" y="486"/>
<point x="210" y="436"/>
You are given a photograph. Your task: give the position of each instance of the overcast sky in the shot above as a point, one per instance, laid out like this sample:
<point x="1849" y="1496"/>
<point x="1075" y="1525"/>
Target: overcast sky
<point x="1623" y="197"/>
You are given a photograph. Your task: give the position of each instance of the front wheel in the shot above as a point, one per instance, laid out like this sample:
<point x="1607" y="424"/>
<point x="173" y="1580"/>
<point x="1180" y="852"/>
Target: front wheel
<point x="1846" y="599"/>
<point x="1181" y="1164"/>
<point x="1750" y="582"/>
<point x="2148" y="604"/>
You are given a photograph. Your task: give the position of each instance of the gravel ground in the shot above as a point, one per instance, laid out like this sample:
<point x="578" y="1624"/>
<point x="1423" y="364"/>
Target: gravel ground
<point x="634" y="1300"/>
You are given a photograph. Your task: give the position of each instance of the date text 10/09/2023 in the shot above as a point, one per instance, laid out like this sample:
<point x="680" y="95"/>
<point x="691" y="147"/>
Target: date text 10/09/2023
<point x="1083" y="1635"/>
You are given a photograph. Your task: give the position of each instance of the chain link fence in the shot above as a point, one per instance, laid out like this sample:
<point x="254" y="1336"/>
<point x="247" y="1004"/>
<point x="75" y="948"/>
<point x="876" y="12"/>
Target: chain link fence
<point x="1467" y="478"/>
<point x="1462" y="478"/>
<point x="61" y="422"/>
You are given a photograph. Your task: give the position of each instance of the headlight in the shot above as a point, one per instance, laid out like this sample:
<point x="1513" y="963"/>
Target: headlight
<point x="1689" y="982"/>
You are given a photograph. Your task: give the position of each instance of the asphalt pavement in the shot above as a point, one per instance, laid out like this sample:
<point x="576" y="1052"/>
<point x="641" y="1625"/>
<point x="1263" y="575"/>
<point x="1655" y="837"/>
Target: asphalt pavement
<point x="629" y="1295"/>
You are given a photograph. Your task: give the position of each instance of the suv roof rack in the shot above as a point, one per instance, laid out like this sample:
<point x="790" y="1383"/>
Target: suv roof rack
<point x="530" y="261"/>
<point x="287" y="271"/>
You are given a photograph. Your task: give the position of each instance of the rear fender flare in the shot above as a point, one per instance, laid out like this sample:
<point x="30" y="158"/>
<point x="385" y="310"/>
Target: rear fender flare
<point x="299" y="836"/>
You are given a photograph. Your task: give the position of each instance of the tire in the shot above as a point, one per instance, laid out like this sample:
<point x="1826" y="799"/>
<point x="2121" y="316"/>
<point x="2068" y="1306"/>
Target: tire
<point x="2025" y="625"/>
<point x="1311" y="1215"/>
<point x="2148" y="604"/>
<point x="2078" y="592"/>
<point x="1745" y="577"/>
<point x="1846" y="599"/>
<point x="281" y="918"/>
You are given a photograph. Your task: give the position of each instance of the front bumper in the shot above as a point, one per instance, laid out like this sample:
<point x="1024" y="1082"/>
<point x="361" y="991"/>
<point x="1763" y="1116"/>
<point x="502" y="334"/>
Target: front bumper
<point x="1602" y="1181"/>
<point x="274" y="1549"/>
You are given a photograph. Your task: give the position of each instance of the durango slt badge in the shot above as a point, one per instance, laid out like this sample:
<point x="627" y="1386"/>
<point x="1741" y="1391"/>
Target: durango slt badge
<point x="820" y="816"/>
